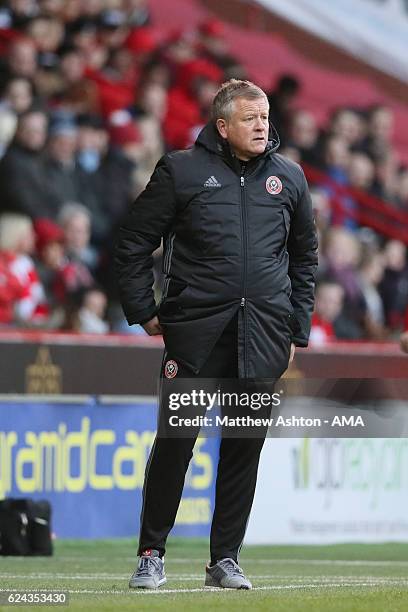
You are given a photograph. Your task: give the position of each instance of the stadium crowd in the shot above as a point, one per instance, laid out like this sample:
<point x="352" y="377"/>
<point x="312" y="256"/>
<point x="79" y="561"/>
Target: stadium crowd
<point x="91" y="96"/>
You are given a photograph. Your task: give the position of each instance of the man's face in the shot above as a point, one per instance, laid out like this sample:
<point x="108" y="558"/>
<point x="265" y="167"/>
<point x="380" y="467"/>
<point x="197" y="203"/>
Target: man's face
<point x="77" y="232"/>
<point x="247" y="128"/>
<point x="32" y="131"/>
<point x="62" y="147"/>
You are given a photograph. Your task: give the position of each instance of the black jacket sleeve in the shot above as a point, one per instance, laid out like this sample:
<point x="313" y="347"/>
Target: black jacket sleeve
<point x="302" y="249"/>
<point x="148" y="220"/>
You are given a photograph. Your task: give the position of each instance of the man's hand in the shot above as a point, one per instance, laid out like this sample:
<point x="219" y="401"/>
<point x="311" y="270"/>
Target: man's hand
<point x="153" y="327"/>
<point x="292" y="352"/>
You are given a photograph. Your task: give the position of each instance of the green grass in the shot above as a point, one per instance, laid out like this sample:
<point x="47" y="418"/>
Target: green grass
<point x="341" y="578"/>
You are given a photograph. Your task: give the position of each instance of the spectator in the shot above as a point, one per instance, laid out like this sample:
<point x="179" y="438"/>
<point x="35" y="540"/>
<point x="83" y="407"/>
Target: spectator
<point x="404" y="335"/>
<point x="91" y="9"/>
<point x="66" y="179"/>
<point x="348" y="125"/>
<point x="47" y="32"/>
<point x="75" y="221"/>
<point x="91" y="314"/>
<point x="11" y="290"/>
<point x="386" y="177"/>
<point x="82" y="34"/>
<point x="110" y="172"/>
<point x="20" y="61"/>
<point x="8" y="125"/>
<point x="337" y="159"/>
<point x="62" y="274"/>
<point x="52" y="8"/>
<point x="360" y="177"/>
<point x="125" y="135"/>
<point x="120" y="91"/>
<point x="16" y="247"/>
<point x="303" y="134"/>
<point x="343" y="255"/>
<point x="337" y="163"/>
<point x="394" y="285"/>
<point x="24" y="159"/>
<point x="321" y="208"/>
<point x="213" y="46"/>
<point x="380" y="131"/>
<point x="50" y="257"/>
<point x="18" y="95"/>
<point x="361" y="172"/>
<point x="152" y="101"/>
<point x="402" y="189"/>
<point x="17" y="14"/>
<point x="75" y="92"/>
<point x="178" y="49"/>
<point x="371" y="273"/>
<point x="91" y="143"/>
<point x="63" y="179"/>
<point x="189" y="102"/>
<point x="291" y="152"/>
<point x="141" y="43"/>
<point x="71" y="10"/>
<point x="281" y="101"/>
<point x="137" y="12"/>
<point x="328" y="306"/>
<point x="113" y="29"/>
<point x="115" y="81"/>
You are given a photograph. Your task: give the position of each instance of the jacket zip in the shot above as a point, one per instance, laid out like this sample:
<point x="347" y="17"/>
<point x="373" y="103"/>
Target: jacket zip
<point x="244" y="234"/>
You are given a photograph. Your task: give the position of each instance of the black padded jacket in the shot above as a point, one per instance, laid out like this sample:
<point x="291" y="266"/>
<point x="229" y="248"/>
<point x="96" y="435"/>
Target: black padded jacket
<point x="238" y="237"/>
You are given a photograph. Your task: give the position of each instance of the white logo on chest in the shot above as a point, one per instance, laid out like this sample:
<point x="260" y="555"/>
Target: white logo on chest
<point x="212" y="182"/>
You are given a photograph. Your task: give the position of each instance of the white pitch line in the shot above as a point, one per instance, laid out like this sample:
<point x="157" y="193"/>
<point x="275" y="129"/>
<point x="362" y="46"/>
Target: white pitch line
<point x="352" y="584"/>
<point x="305" y="561"/>
<point x="345" y="562"/>
<point x="193" y="577"/>
<point x="327" y="562"/>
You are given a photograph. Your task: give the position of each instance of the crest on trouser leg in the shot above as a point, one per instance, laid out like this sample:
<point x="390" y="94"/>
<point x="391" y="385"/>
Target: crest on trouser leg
<point x="170" y="369"/>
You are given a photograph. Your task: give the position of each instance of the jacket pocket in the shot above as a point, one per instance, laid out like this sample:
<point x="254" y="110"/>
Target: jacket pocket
<point x="175" y="288"/>
<point x="294" y="324"/>
<point x="171" y="303"/>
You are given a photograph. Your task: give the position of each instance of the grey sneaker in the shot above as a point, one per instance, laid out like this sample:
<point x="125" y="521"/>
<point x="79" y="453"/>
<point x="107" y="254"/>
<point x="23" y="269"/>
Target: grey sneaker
<point x="149" y="573"/>
<point x="226" y="574"/>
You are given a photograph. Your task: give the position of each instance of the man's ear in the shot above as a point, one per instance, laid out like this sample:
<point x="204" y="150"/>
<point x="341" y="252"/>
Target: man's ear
<point x="221" y="127"/>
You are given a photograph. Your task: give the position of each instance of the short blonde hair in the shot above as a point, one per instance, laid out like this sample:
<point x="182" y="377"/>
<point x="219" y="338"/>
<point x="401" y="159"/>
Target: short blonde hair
<point x="222" y="106"/>
<point x="13" y="227"/>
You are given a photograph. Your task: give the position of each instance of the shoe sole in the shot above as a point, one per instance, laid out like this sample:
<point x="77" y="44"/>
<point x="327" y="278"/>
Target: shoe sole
<point x="218" y="586"/>
<point x="148" y="587"/>
<point x="211" y="582"/>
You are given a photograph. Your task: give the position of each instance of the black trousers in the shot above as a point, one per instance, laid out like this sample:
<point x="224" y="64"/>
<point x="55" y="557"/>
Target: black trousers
<point x="236" y="474"/>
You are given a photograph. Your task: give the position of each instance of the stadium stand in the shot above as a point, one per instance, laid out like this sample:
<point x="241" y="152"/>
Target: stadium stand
<point x="92" y="94"/>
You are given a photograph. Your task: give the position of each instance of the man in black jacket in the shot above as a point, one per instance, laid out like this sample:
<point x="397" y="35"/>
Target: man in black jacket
<point x="240" y="254"/>
<point x="23" y="183"/>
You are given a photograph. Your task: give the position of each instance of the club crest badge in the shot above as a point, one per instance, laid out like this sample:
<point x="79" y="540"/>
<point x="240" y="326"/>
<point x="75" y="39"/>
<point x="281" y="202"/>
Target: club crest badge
<point x="170" y="369"/>
<point x="273" y="185"/>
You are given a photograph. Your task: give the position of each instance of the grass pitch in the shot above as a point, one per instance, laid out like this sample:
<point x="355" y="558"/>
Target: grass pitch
<point x="341" y="578"/>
